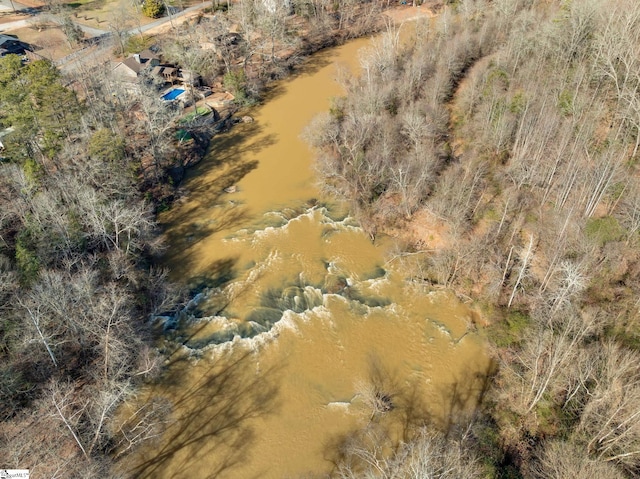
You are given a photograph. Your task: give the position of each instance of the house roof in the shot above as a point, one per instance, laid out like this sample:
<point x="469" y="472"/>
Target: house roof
<point x="6" y="38"/>
<point x="146" y="55"/>
<point x="133" y="64"/>
<point x="136" y="63"/>
<point x="10" y="44"/>
<point x="164" y="71"/>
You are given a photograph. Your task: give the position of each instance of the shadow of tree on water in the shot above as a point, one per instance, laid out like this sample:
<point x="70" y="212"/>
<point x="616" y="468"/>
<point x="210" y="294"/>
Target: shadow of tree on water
<point x="210" y="432"/>
<point x="462" y="397"/>
<point x="401" y="409"/>
<point x="219" y="273"/>
<point x="207" y="208"/>
<point x="308" y="67"/>
<point x="234" y="145"/>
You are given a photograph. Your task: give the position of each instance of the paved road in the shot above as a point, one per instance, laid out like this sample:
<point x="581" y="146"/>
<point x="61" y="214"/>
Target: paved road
<point x="92" y="31"/>
<point x="104" y="40"/>
<point x="17" y="6"/>
<point x="5" y="27"/>
<point x="168" y="19"/>
<point x="9" y="6"/>
<point x="99" y="40"/>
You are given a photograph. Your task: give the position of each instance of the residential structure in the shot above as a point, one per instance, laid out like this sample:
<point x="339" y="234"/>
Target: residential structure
<point x="11" y="45"/>
<point x="130" y="68"/>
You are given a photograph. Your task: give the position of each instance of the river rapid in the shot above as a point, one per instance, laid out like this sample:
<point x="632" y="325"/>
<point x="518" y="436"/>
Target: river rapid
<point x="307" y="331"/>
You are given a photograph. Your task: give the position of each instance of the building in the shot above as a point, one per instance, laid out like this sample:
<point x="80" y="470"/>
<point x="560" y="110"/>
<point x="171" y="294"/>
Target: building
<point x="130" y="68"/>
<point x="11" y="45"/>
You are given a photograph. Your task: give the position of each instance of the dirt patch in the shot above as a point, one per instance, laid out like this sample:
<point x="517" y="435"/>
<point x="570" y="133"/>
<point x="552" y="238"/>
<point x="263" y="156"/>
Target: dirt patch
<point x="407" y="13"/>
<point x="48" y="42"/>
<point x="32" y="3"/>
<point x="9" y="17"/>
<point x="424" y="231"/>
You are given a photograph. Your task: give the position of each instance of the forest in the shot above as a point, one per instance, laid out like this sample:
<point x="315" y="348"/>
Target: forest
<point x="76" y="287"/>
<point x="514" y="126"/>
<point x="86" y="164"/>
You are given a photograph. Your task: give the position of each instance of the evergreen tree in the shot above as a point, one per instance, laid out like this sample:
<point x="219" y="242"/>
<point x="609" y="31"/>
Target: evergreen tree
<point x="152" y="8"/>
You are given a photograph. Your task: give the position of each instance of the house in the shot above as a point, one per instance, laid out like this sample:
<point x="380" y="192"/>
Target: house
<point x="130" y="68"/>
<point x="168" y="73"/>
<point x="147" y="61"/>
<point x="11" y="45"/>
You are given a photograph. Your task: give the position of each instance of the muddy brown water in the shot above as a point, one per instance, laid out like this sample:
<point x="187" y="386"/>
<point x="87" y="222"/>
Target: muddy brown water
<point x="306" y="322"/>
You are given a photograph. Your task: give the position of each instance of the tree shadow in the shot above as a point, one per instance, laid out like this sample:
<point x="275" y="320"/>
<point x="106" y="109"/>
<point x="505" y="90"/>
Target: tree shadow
<point x="462" y="397"/>
<point x="227" y="161"/>
<point x="30" y="11"/>
<point x="209" y="206"/>
<point x="231" y="145"/>
<point x="219" y="273"/>
<point x="212" y="414"/>
<point x="87" y="6"/>
<point x="396" y="409"/>
<point x="407" y="410"/>
<point x="310" y="66"/>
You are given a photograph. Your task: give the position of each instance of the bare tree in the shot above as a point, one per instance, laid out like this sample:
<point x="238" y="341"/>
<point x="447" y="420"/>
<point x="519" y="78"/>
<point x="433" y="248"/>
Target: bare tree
<point x="611" y="418"/>
<point x="565" y="460"/>
<point x="524" y="263"/>
<point x="40" y="323"/>
<point x="429" y="455"/>
<point x="120" y="22"/>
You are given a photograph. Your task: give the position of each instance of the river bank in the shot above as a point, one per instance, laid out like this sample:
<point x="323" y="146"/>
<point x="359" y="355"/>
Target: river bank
<point x="288" y="63"/>
<point x="305" y="335"/>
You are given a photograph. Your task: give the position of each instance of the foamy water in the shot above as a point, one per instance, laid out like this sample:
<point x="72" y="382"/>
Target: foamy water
<point x="309" y="321"/>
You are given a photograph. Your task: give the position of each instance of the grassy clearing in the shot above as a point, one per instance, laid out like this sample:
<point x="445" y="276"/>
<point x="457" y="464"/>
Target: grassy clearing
<point x="49" y="42"/>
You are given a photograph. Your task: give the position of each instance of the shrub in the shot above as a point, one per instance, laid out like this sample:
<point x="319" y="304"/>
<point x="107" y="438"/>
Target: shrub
<point x="152" y="8"/>
<point x="26" y="257"/>
<point x="137" y="43"/>
<point x="603" y="230"/>
<point x="236" y="82"/>
<point x="510" y="331"/>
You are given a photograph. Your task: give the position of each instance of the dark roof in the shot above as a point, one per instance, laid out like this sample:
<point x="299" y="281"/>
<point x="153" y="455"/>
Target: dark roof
<point x="163" y="70"/>
<point x="146" y="55"/>
<point x="10" y="44"/>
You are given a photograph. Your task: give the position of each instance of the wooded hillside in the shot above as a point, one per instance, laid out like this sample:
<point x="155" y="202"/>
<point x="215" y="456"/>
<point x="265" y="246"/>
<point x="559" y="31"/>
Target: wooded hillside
<point x="86" y="161"/>
<point x="514" y="126"/>
<point x="76" y="289"/>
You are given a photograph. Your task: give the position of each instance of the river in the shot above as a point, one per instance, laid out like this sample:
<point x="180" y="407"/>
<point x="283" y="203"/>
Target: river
<point x="309" y="331"/>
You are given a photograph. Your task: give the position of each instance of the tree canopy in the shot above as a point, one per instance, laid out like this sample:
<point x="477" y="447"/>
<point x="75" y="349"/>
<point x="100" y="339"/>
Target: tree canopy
<point x="41" y="112"/>
<point x="153" y="8"/>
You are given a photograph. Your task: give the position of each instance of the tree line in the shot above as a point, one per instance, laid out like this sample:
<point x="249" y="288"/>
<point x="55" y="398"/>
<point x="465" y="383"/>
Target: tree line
<point x="514" y="125"/>
<point x="77" y="288"/>
<point x="87" y="163"/>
